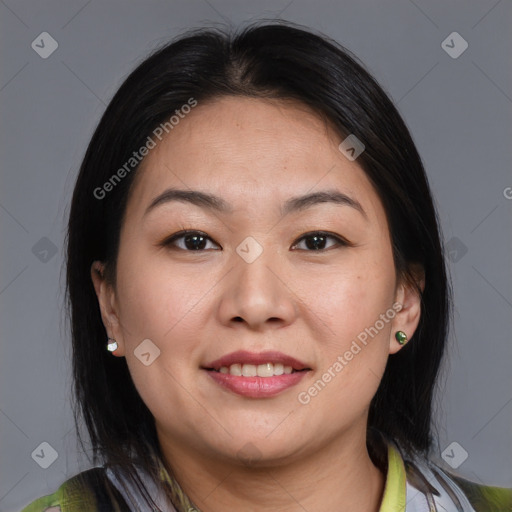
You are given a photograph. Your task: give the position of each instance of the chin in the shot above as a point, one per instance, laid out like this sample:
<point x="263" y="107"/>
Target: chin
<point x="258" y="451"/>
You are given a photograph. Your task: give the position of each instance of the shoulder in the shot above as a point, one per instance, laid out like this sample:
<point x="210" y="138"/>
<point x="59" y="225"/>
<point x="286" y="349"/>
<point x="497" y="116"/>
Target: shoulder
<point x="88" y="491"/>
<point x="453" y="492"/>
<point x="485" y="498"/>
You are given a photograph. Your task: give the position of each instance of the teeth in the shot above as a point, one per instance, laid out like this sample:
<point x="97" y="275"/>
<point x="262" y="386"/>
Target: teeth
<point x="249" y="370"/>
<point x="278" y="369"/>
<point x="265" y="370"/>
<point x="260" y="370"/>
<point x="235" y="369"/>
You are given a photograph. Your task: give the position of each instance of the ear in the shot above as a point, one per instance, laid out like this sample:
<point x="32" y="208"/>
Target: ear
<point x="107" y="302"/>
<point x="409" y="298"/>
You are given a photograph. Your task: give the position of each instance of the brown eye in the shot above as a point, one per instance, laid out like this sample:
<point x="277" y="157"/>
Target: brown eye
<point x="192" y="241"/>
<point x="316" y="241"/>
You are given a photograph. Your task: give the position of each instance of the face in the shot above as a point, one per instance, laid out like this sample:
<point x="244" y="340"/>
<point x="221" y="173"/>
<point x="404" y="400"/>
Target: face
<point x="262" y="276"/>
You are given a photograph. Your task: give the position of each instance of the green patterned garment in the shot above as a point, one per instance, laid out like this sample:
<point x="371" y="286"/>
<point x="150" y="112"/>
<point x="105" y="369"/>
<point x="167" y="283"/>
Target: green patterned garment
<point x="412" y="485"/>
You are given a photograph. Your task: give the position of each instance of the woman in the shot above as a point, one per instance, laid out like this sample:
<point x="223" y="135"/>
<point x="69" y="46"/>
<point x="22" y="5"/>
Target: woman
<point x="257" y="287"/>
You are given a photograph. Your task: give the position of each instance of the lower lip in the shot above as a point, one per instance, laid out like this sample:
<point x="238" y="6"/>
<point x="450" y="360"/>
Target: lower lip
<point x="257" y="387"/>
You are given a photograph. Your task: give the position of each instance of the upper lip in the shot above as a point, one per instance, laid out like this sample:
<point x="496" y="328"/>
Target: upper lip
<point x="245" y="357"/>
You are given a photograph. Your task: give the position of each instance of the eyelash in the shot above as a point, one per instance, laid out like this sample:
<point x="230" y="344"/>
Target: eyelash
<point x="340" y="242"/>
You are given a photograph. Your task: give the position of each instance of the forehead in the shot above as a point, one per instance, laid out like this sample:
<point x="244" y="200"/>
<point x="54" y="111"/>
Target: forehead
<point x="251" y="152"/>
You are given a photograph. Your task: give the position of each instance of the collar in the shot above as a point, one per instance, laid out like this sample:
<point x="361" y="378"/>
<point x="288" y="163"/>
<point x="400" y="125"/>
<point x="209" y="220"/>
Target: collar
<point x="394" y="498"/>
<point x="400" y="495"/>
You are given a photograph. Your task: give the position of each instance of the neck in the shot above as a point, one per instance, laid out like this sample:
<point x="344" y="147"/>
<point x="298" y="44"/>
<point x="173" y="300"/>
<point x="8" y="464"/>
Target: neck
<point x="339" y="476"/>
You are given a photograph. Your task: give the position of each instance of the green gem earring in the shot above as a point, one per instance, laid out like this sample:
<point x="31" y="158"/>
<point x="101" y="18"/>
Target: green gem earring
<point x="401" y="337"/>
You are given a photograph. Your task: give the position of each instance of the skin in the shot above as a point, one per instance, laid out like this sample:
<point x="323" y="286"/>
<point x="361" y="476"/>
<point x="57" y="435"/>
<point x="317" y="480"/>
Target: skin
<point x="198" y="306"/>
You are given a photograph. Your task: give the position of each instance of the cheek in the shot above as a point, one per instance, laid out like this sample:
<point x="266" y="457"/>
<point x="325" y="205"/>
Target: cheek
<point x="158" y="305"/>
<point x="356" y="303"/>
<point x="155" y="298"/>
<point x="351" y="296"/>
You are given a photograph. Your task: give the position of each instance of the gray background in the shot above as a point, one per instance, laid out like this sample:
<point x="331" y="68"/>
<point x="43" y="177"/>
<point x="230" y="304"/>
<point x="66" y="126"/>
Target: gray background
<point x="458" y="110"/>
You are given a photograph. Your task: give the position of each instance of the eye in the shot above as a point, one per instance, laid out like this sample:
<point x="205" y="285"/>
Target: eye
<point x="192" y="241"/>
<point x="195" y="241"/>
<point x="316" y="240"/>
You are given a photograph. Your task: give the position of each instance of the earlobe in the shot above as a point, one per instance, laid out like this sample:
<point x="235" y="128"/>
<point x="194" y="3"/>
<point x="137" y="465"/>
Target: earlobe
<point x="106" y="301"/>
<point x="407" y="319"/>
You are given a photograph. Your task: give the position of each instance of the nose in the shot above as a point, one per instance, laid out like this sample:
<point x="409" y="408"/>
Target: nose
<point x="258" y="294"/>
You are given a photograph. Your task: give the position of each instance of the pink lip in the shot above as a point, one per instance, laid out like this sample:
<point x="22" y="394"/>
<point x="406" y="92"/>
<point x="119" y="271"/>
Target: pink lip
<point x="256" y="387"/>
<point x="245" y="357"/>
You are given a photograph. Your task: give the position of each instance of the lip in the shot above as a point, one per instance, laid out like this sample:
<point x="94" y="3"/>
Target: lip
<point x="256" y="387"/>
<point x="246" y="357"/>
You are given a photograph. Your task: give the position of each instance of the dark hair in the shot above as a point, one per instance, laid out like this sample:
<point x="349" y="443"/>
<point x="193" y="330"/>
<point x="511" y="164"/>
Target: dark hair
<point x="278" y="61"/>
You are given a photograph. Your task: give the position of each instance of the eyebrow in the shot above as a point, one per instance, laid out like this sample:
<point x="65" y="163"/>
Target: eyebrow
<point x="215" y="203"/>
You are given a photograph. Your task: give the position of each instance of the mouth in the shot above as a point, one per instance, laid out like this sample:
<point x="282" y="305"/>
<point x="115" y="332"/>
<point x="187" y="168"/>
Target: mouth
<point x="254" y="375"/>
<point x="264" y="370"/>
<point x="251" y="364"/>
